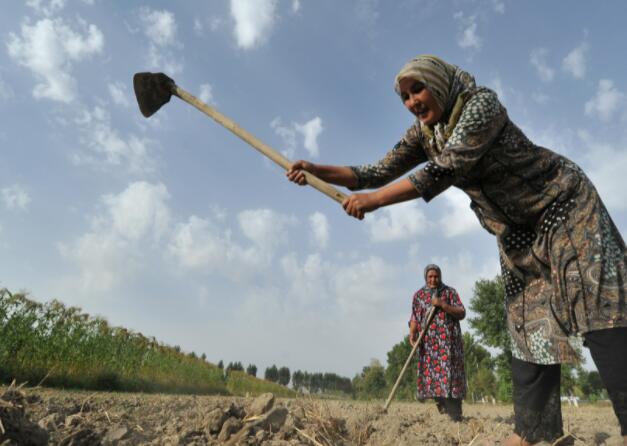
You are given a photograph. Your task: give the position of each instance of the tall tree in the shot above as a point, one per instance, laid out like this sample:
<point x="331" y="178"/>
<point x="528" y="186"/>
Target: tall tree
<point x="479" y="367"/>
<point x="272" y="373"/>
<point x="251" y="370"/>
<point x="488" y="303"/>
<point x="284" y="376"/>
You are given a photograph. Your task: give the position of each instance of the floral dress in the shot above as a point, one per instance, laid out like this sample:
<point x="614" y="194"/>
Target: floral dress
<point x="563" y="261"/>
<point x="440" y="355"/>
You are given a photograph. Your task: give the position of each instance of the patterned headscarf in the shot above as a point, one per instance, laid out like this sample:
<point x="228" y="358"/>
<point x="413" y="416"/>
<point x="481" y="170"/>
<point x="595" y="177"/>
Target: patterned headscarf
<point x="443" y="80"/>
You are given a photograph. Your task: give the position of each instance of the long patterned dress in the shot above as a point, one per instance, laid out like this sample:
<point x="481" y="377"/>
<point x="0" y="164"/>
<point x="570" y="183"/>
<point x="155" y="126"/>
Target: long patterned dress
<point x="440" y="356"/>
<point x="562" y="258"/>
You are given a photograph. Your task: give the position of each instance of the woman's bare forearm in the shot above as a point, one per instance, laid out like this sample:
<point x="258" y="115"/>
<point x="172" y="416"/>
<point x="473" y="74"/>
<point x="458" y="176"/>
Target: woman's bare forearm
<point x="398" y="192"/>
<point x="340" y="175"/>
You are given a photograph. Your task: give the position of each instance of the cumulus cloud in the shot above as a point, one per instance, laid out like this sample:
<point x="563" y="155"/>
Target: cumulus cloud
<point x="111" y="251"/>
<point x="365" y="285"/>
<point x="265" y="227"/>
<point x="309" y="131"/>
<point x="399" y="222"/>
<point x="161" y="29"/>
<point x="106" y="148"/>
<point x="15" y="197"/>
<point x="139" y="210"/>
<point x="159" y="26"/>
<point x="575" y="62"/>
<point x="307" y="282"/>
<point x="607" y="101"/>
<point x="254" y="20"/>
<point x="467" y="32"/>
<point x="201" y="245"/>
<point x="119" y="93"/>
<point x="538" y="61"/>
<point x="319" y="230"/>
<point x="459" y="218"/>
<point x="49" y="49"/>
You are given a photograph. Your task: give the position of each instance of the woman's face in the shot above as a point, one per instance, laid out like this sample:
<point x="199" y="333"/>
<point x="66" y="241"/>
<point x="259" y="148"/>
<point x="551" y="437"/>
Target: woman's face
<point x="419" y="101"/>
<point x="433" y="278"/>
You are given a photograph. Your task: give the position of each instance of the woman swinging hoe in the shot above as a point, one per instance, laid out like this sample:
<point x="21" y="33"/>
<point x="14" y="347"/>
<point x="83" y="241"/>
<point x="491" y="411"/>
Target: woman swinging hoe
<point x="563" y="261"/>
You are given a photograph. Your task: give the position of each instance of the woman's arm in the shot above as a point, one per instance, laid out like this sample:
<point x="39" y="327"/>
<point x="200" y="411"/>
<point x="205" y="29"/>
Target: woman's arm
<point x="455" y="309"/>
<point x="358" y="204"/>
<point x="340" y="175"/>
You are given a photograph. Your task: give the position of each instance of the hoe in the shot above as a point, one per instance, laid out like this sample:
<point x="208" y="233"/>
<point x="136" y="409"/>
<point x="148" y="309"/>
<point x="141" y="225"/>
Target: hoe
<point x="153" y="90"/>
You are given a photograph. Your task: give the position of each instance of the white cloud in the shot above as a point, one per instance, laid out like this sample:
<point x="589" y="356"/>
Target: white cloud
<point x="606" y="103"/>
<point x="139" y="210"/>
<point x="254" y="20"/>
<point x="287" y="134"/>
<point x="265" y="227"/>
<point x="200" y="245"/>
<point x="309" y="131"/>
<point x="459" y="219"/>
<point x="159" y="26"/>
<point x="468" y="37"/>
<point x="365" y="285"/>
<point x="399" y="222"/>
<point x="111" y="251"/>
<point x="319" y="230"/>
<point x="309" y="282"/>
<point x="46" y="8"/>
<point x="49" y="48"/>
<point x="15" y="197"/>
<point x="161" y="29"/>
<point x="119" y="93"/>
<point x="575" y="62"/>
<point x="103" y="259"/>
<point x="106" y="148"/>
<point x="206" y="94"/>
<point x="538" y="60"/>
<point x="295" y="6"/>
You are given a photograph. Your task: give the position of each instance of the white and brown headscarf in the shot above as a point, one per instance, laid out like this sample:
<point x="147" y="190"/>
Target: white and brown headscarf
<point x="445" y="81"/>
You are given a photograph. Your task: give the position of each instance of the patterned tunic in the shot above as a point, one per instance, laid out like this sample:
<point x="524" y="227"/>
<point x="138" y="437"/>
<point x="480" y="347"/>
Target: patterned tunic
<point x="563" y="260"/>
<point x="440" y="364"/>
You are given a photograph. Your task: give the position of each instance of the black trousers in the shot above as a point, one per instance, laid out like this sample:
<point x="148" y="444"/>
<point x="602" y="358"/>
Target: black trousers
<point x="450" y="406"/>
<point x="537" y="407"/>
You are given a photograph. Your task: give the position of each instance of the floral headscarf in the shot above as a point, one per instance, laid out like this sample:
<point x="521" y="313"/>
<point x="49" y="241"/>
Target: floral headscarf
<point x="445" y="81"/>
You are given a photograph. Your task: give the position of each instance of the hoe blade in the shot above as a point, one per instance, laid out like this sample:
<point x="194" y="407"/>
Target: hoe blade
<point x="152" y="90"/>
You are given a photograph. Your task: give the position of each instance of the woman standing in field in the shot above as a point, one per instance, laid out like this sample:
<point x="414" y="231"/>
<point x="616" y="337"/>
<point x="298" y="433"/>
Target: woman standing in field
<point x="563" y="260"/>
<point x="440" y="365"/>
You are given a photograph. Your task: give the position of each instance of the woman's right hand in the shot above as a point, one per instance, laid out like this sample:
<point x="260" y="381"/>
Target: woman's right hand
<point x="296" y="173"/>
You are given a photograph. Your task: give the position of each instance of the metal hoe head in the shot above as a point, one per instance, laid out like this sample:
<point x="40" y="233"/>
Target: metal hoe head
<point x="152" y="90"/>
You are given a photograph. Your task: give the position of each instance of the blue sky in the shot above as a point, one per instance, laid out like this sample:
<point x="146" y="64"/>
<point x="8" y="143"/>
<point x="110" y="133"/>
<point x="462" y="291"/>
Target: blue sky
<point x="173" y="227"/>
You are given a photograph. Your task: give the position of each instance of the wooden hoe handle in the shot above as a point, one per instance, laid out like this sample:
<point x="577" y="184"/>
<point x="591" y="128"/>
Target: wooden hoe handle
<point x="265" y="149"/>
<point x="411" y="355"/>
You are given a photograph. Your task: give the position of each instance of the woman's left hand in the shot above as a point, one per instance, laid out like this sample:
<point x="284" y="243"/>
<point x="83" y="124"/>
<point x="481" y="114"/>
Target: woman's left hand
<point x="358" y="204"/>
<point x="436" y="302"/>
